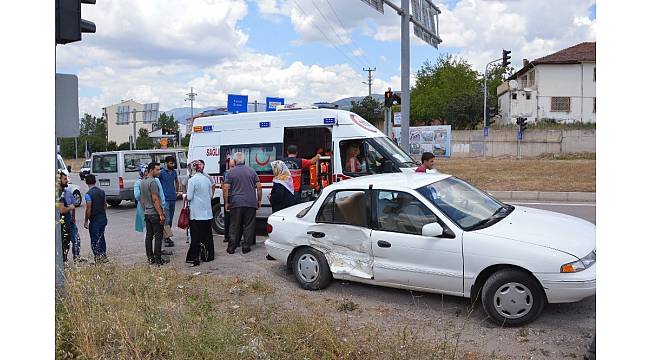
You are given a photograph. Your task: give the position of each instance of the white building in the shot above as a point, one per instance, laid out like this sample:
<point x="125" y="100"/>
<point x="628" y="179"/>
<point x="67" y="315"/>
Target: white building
<point x="119" y="119"/>
<point x="560" y="86"/>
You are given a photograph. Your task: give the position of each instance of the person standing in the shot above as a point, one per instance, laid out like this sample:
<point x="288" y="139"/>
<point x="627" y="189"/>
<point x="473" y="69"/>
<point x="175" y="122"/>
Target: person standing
<point x="427" y="163"/>
<point x="169" y="180"/>
<point x="296" y="165"/>
<point x="199" y="195"/>
<point x="242" y="202"/>
<point x="95" y="219"/>
<point x="66" y="209"/>
<point x="154" y="215"/>
<point x="281" y="195"/>
<point x="230" y="163"/>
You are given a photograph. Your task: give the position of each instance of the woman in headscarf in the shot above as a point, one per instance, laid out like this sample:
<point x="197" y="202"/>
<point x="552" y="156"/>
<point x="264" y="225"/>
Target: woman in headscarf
<point x="282" y="193"/>
<point x="139" y="212"/>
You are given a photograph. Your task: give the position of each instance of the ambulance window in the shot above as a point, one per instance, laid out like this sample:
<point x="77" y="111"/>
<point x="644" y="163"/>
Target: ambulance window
<point x="257" y="156"/>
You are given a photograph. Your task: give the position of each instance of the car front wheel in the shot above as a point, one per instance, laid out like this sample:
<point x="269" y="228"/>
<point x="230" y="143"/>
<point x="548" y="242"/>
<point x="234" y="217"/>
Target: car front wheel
<point x="512" y="297"/>
<point x="311" y="269"/>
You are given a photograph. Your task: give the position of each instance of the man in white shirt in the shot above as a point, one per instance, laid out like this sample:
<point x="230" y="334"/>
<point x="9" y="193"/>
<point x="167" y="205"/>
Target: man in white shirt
<point x="199" y="195"/>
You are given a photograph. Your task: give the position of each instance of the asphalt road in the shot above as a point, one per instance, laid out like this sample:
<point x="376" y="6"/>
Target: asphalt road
<point x="562" y="331"/>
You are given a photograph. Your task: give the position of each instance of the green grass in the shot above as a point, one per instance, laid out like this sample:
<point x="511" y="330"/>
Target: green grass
<point x="137" y="312"/>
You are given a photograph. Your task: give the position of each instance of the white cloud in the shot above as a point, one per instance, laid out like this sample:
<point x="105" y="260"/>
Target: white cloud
<point x="358" y="52"/>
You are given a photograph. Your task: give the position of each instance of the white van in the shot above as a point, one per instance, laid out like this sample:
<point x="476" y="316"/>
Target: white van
<point x="117" y="171"/>
<point x="74" y="189"/>
<point x="264" y="137"/>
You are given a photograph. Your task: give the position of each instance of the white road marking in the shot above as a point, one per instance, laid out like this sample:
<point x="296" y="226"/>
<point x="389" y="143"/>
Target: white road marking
<point x="554" y="204"/>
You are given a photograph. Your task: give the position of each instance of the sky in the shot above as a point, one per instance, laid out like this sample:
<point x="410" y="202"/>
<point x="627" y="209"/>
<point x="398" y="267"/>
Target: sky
<point x="303" y="50"/>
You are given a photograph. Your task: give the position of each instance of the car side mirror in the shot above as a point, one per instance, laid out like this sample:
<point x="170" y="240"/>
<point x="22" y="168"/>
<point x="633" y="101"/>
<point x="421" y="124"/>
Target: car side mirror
<point x="432" y="230"/>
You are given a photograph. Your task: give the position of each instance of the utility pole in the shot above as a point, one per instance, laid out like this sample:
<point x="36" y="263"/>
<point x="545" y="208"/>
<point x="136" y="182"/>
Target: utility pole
<point x="369" y="83"/>
<point x="406" y="76"/>
<point x="190" y="97"/>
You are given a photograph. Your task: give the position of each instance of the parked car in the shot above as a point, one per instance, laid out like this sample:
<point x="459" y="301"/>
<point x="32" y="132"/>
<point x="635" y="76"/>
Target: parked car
<point x="436" y="233"/>
<point x="74" y="189"/>
<point x="85" y="169"/>
<point x="117" y="171"/>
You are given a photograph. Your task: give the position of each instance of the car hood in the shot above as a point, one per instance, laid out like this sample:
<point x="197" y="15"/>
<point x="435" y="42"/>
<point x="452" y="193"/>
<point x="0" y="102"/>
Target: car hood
<point x="553" y="230"/>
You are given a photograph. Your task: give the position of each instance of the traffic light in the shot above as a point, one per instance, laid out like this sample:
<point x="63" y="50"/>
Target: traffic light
<point x="506" y="58"/>
<point x="388" y="98"/>
<point x="521" y="121"/>
<point x="397" y="99"/>
<point x="69" y="24"/>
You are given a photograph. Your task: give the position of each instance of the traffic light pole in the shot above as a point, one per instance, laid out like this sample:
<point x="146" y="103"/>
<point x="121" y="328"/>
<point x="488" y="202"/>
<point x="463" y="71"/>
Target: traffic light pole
<point x="485" y="123"/>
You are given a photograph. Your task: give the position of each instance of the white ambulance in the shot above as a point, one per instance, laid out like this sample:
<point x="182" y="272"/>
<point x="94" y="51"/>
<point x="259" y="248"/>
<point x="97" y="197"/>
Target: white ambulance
<point x="264" y="137"/>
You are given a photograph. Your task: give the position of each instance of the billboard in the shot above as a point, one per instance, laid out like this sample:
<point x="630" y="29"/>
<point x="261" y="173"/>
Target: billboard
<point x="237" y="103"/>
<point x="434" y="139"/>
<point x="272" y="102"/>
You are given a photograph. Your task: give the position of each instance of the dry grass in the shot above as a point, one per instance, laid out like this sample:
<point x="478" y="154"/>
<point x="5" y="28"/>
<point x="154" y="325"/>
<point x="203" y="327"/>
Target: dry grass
<point x="525" y="174"/>
<point x="74" y="163"/>
<point x="120" y="312"/>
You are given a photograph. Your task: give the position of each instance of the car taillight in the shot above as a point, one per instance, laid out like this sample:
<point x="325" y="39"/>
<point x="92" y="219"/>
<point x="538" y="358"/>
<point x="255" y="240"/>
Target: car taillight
<point x="121" y="183"/>
<point x="269" y="228"/>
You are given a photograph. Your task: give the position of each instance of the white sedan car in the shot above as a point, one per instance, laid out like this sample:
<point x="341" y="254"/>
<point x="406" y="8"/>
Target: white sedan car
<point x="436" y="233"/>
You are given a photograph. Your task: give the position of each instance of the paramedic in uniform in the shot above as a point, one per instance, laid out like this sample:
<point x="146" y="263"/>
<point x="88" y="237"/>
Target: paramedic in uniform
<point x="296" y="165"/>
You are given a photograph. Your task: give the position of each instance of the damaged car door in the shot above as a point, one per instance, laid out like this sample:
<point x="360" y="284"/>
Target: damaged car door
<point x="341" y="233"/>
<point x="403" y="256"/>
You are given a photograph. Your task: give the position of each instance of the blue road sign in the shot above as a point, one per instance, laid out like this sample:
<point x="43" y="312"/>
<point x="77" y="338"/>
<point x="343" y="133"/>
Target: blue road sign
<point x="520" y="135"/>
<point x="272" y="102"/>
<point x="485" y="131"/>
<point x="237" y="103"/>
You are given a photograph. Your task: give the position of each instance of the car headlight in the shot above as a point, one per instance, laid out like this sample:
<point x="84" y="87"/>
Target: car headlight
<point x="579" y="265"/>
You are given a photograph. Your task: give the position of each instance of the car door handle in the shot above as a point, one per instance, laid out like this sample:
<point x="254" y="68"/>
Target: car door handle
<point x="316" y="234"/>
<point x="383" y="244"/>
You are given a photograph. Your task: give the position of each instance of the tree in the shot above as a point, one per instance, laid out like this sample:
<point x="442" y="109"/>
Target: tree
<point x="124" y="146"/>
<point x="185" y="141"/>
<point x="167" y="122"/>
<point x="112" y="146"/>
<point x="447" y="90"/>
<point x="369" y="109"/>
<point x="144" y="141"/>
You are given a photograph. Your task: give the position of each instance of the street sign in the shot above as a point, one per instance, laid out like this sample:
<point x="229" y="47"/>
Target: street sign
<point x="485" y="131"/>
<point x="520" y="135"/>
<point x="425" y="21"/>
<point x="66" y="105"/>
<point x="272" y="103"/>
<point x="376" y="4"/>
<point x="151" y="113"/>
<point x="398" y="119"/>
<point x="237" y="103"/>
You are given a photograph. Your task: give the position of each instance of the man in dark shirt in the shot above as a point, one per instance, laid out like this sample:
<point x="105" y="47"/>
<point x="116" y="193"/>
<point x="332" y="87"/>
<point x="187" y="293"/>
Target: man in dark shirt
<point x="169" y="181"/>
<point x="296" y="165"/>
<point x="427" y="163"/>
<point x="66" y="209"/>
<point x="96" y="215"/>
<point x="239" y="192"/>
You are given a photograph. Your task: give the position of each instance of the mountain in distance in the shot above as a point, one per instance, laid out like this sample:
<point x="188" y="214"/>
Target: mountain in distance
<point x="346" y="104"/>
<point x="182" y="114"/>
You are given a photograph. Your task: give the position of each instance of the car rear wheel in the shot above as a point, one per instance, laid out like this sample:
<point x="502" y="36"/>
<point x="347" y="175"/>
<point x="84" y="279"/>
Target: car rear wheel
<point x="77" y="198"/>
<point x="512" y="297"/>
<point x="311" y="269"/>
<point x="114" y="202"/>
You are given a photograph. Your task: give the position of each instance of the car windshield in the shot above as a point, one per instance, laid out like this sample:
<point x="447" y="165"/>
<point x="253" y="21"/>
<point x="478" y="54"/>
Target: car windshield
<point x="469" y="207"/>
<point x="87" y="164"/>
<point x="398" y="156"/>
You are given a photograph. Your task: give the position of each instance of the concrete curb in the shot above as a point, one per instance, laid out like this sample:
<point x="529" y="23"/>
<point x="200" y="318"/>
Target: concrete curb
<point x="562" y="196"/>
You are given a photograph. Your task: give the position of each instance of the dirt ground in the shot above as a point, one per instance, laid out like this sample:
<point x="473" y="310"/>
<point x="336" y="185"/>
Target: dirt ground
<point x="506" y="174"/>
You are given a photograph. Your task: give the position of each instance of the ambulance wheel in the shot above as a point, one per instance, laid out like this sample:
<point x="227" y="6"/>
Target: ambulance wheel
<point x="218" y="222"/>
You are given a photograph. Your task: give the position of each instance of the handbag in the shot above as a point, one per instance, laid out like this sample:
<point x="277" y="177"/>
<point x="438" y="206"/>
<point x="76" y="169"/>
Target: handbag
<point x="184" y="217"/>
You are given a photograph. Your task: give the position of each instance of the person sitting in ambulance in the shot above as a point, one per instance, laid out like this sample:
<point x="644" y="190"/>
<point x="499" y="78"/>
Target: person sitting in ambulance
<point x="352" y="164"/>
<point x="296" y="166"/>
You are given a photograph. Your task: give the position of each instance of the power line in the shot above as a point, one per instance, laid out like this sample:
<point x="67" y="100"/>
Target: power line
<point x="343" y="27"/>
<point x="334" y="30"/>
<point x="325" y="36"/>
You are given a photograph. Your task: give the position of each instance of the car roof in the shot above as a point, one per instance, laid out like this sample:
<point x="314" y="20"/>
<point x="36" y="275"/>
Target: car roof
<point x="392" y="181"/>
